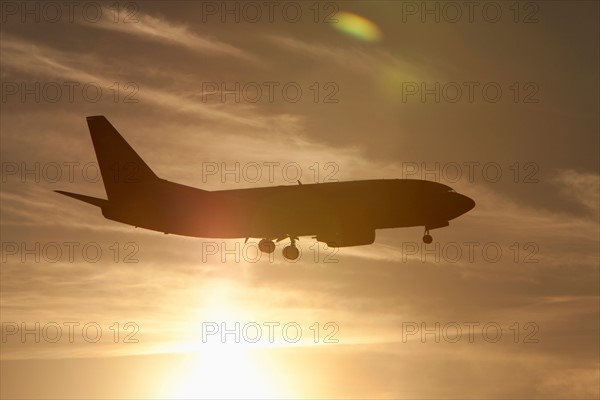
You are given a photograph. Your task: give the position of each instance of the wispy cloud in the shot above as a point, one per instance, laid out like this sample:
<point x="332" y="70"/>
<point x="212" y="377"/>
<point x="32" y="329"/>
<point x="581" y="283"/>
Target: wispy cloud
<point x="582" y="187"/>
<point x="357" y="59"/>
<point x="44" y="61"/>
<point x="159" y="29"/>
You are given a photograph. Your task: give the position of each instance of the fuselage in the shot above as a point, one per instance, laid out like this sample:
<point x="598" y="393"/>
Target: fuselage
<point x="279" y="211"/>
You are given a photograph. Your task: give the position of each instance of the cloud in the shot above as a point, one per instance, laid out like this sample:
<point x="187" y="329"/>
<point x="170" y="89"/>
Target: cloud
<point x="582" y="187"/>
<point x="38" y="60"/>
<point x="574" y="383"/>
<point x="159" y="29"/>
<point x="371" y="60"/>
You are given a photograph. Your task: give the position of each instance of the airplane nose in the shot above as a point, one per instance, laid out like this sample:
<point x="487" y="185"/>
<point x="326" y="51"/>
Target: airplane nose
<point x="461" y="204"/>
<point x="467" y="203"/>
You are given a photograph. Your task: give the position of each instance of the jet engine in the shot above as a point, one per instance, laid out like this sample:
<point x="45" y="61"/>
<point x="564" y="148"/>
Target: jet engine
<point x="347" y="238"/>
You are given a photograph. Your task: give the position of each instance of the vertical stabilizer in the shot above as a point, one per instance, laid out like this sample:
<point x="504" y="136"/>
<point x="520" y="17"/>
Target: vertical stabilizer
<point x="123" y="170"/>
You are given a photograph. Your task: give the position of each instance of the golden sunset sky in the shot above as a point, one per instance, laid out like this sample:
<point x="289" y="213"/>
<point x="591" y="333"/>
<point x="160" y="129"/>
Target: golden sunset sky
<point x="380" y="84"/>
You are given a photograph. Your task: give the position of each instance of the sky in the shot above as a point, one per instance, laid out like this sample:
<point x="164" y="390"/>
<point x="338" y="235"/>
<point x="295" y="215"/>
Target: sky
<point x="498" y="100"/>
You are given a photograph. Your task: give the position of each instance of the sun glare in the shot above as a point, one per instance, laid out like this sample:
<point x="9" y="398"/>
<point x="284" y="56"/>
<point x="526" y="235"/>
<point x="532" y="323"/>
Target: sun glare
<point x="358" y="26"/>
<point x="225" y="372"/>
<point x="217" y="370"/>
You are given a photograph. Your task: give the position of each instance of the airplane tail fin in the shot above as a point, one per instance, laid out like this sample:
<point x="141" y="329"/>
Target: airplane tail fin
<point x="123" y="170"/>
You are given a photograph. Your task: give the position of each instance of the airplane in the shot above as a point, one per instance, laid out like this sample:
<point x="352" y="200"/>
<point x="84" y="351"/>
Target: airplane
<point x="340" y="214"/>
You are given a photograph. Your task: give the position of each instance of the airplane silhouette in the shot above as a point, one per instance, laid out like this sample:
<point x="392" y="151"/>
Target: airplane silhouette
<point x="339" y="214"/>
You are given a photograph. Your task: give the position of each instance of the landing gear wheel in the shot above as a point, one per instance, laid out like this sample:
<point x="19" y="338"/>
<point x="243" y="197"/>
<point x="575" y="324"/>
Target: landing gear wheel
<point x="266" y="246"/>
<point x="291" y="252"/>
<point x="427" y="237"/>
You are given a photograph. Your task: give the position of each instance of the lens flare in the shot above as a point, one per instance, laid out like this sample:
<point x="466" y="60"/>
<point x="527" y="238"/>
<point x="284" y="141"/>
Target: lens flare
<point x="358" y="26"/>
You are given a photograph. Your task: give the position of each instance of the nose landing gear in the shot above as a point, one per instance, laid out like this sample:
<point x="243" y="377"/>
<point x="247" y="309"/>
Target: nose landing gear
<point x="427" y="237"/>
<point x="433" y="225"/>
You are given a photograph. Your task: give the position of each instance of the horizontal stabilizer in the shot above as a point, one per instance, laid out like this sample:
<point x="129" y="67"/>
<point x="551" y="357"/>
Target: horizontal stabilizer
<point x="88" y="199"/>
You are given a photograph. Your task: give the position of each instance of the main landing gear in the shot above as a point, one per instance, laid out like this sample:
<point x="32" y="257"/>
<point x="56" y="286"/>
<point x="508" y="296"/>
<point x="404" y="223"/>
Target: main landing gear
<point x="266" y="246"/>
<point x="290" y="252"/>
<point x="427" y="237"/>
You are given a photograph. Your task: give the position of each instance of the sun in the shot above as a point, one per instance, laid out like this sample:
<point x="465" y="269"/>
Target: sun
<point x="224" y="372"/>
<point x="231" y="370"/>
